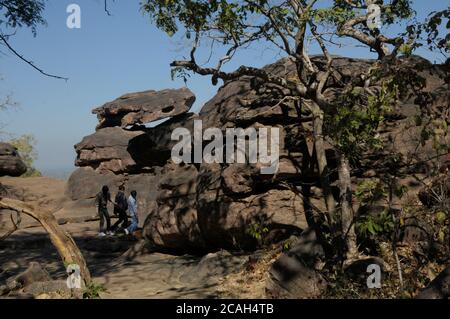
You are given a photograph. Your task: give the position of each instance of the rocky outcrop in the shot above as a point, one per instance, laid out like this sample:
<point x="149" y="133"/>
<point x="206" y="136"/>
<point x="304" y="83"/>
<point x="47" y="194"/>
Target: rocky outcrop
<point x="106" y="150"/>
<point x="144" y="107"/>
<point x="439" y="288"/>
<point x="195" y="210"/>
<point x="204" y="207"/>
<point x="10" y="162"/>
<point x="117" y="150"/>
<point x="295" y="274"/>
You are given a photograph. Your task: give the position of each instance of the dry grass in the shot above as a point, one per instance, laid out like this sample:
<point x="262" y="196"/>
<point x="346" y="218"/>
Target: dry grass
<point x="250" y="283"/>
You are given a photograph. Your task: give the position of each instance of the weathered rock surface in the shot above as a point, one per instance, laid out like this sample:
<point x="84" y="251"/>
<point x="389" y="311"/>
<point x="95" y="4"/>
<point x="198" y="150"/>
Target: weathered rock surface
<point x="290" y="278"/>
<point x="10" y="162"/>
<point x="84" y="184"/>
<point x="295" y="273"/>
<point x="439" y="288"/>
<point x="54" y="289"/>
<point x="106" y="150"/>
<point x="211" y="206"/>
<point x="144" y="107"/>
<point x="213" y="264"/>
<point x="34" y="273"/>
<point x="195" y="211"/>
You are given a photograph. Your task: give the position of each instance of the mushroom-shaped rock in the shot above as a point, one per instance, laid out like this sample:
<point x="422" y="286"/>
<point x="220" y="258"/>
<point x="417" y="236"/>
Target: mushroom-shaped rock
<point x="144" y="107"/>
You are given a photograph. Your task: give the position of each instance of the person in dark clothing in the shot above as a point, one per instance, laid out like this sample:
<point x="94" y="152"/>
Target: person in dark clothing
<point x="120" y="209"/>
<point x="101" y="201"/>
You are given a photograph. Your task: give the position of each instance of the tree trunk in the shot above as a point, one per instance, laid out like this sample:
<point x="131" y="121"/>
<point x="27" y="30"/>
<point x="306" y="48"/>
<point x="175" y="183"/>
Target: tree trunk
<point x="347" y="214"/>
<point x="61" y="239"/>
<point x="322" y="163"/>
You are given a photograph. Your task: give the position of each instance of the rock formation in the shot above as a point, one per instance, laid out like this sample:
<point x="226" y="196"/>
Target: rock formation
<point x="10" y="162"/>
<point x="144" y="107"/>
<point x="205" y="207"/>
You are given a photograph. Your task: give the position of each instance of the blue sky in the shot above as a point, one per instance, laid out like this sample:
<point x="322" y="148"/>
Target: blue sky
<point x="107" y="57"/>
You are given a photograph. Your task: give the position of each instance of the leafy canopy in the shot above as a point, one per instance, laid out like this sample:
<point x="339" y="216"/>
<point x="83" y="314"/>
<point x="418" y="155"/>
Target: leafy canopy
<point x="21" y="13"/>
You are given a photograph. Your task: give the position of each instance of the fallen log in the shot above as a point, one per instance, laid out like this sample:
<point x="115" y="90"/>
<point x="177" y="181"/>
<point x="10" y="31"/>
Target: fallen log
<point x="60" y="238"/>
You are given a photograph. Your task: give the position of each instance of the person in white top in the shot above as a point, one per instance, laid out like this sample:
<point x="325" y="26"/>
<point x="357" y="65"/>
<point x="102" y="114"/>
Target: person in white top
<point x="132" y="208"/>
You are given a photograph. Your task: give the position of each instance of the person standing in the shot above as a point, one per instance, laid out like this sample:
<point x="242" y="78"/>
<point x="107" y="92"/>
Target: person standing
<point x="101" y="201"/>
<point x="120" y="209"/>
<point x="133" y="209"/>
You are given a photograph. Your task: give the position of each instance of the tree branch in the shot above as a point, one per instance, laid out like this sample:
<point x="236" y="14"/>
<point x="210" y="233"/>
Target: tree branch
<point x="5" y="41"/>
<point x="60" y="238"/>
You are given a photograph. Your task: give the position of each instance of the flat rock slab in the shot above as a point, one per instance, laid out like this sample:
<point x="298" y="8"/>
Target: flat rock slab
<point x="144" y="107"/>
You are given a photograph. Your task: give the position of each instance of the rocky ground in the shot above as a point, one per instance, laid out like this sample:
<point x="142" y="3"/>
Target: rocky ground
<point x="126" y="268"/>
<point x="110" y="259"/>
<point x="155" y="275"/>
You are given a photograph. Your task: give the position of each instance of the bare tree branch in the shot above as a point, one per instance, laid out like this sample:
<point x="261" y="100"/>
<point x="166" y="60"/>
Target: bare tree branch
<point x="5" y="41"/>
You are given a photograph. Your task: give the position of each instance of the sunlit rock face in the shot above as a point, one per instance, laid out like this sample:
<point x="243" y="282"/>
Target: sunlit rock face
<point x="144" y="107"/>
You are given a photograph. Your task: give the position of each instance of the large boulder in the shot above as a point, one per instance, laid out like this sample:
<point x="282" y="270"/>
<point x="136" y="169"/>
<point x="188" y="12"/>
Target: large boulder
<point x="10" y="162"/>
<point x="291" y="278"/>
<point x="173" y="222"/>
<point x="197" y="211"/>
<point x="144" y="107"/>
<point x="84" y="184"/>
<point x="295" y="274"/>
<point x="34" y="273"/>
<point x="106" y="150"/>
<point x="439" y="288"/>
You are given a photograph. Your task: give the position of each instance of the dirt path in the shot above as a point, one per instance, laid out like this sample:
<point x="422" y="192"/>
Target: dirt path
<point x="153" y="275"/>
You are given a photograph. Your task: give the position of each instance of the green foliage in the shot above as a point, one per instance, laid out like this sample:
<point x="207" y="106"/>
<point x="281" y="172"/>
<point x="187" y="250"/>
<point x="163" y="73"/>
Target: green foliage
<point x="19" y="13"/>
<point x="287" y="245"/>
<point x="196" y="15"/>
<point x="93" y="290"/>
<point x="25" y="144"/>
<point x="391" y="12"/>
<point x="257" y="231"/>
<point x="442" y="219"/>
<point x="356" y="118"/>
<point x="333" y="16"/>
<point x="405" y="49"/>
<point x="433" y="31"/>
<point x="369" y="226"/>
<point x="396" y="10"/>
<point x="437" y="131"/>
<point x="370" y="190"/>
<point x="374" y="189"/>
